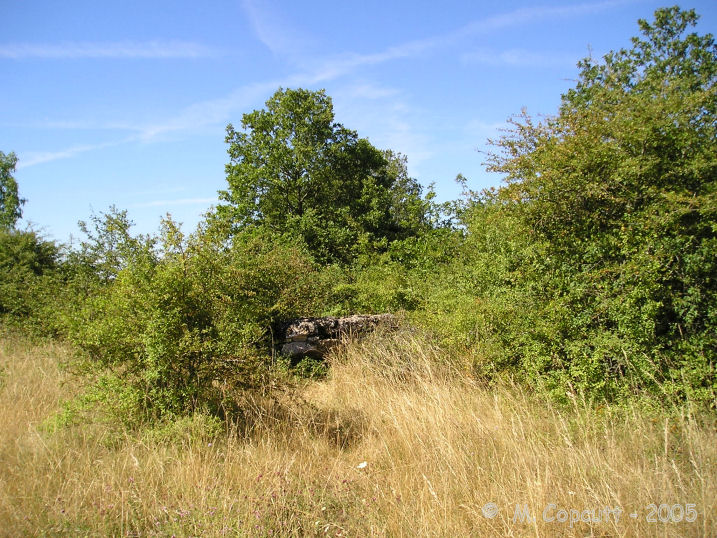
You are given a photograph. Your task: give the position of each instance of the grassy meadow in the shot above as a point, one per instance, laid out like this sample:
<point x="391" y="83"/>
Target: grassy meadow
<point x="392" y="443"/>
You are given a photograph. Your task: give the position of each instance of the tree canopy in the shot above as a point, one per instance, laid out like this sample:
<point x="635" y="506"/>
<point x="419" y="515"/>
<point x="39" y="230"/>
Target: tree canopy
<point x="294" y="169"/>
<point x="10" y="202"/>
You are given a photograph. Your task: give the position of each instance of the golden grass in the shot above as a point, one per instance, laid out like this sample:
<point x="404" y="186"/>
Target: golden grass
<point x="437" y="448"/>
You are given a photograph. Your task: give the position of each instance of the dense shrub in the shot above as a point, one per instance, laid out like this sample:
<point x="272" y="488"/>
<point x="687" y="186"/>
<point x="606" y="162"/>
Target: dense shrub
<point x="593" y="271"/>
<point x="28" y="277"/>
<point x="190" y="321"/>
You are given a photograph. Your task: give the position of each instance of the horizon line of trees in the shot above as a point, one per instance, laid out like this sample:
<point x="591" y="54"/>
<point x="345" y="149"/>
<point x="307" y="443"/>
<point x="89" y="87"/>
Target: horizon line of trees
<point x="591" y="272"/>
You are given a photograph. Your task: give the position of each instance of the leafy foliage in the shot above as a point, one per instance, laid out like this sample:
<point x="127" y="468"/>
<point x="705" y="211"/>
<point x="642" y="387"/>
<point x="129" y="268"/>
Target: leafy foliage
<point x="10" y="202"/>
<point x="189" y="322"/>
<point x="618" y="193"/>
<point x="109" y="246"/>
<point x="28" y="266"/>
<point x="294" y="169"/>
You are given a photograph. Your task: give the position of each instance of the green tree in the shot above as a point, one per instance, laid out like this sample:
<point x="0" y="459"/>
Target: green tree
<point x="294" y="169"/>
<point x="29" y="281"/>
<point x="10" y="202"/>
<point x="109" y="246"/>
<point x="27" y="265"/>
<point x="619" y="192"/>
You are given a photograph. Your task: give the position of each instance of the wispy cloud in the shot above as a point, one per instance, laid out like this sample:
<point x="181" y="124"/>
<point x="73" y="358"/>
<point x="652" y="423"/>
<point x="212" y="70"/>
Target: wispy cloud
<point x="73" y="125"/>
<point x="538" y="13"/>
<point x="180" y="201"/>
<point x="201" y="114"/>
<point x="343" y="64"/>
<point x="481" y="127"/>
<point x="122" y="49"/>
<point x="159" y="190"/>
<point x="394" y="123"/>
<point x="270" y="27"/>
<point x="210" y="112"/>
<point x="520" y="58"/>
<point x="385" y="115"/>
<point x="370" y="91"/>
<point x="33" y="158"/>
<point x="479" y="132"/>
<point x="399" y="131"/>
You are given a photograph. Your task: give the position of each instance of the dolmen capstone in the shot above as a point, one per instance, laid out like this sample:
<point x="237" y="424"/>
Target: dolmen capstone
<point x="314" y="337"/>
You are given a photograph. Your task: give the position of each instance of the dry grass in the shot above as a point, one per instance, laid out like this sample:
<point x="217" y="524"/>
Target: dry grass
<point x="437" y="447"/>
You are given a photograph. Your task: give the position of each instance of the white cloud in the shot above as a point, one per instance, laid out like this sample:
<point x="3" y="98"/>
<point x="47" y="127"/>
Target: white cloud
<point x="33" y="158"/>
<point x="181" y="201"/>
<point x="478" y="133"/>
<point x="520" y="58"/>
<point x="202" y="114"/>
<point x="385" y="117"/>
<point x="210" y="112"/>
<point x="538" y="13"/>
<point x="270" y="27"/>
<point x="342" y="64"/>
<point x="395" y="125"/>
<point x="71" y="125"/>
<point x="159" y="190"/>
<point x="123" y="49"/>
<point x="478" y="127"/>
<point x="369" y="91"/>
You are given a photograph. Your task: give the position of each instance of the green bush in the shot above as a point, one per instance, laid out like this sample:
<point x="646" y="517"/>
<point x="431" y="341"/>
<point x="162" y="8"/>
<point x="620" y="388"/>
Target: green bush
<point x="190" y="322"/>
<point x="29" y="278"/>
<point x="593" y="270"/>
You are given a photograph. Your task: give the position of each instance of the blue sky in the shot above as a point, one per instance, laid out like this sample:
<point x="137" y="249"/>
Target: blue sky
<point x="126" y="103"/>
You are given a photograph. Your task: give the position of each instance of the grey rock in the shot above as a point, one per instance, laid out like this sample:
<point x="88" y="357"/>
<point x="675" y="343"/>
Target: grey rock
<point x="314" y="337"/>
<point x="300" y="349"/>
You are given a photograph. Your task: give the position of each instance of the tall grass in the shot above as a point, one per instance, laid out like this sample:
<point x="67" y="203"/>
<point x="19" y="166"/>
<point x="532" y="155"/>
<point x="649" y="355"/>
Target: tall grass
<point x="395" y="442"/>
